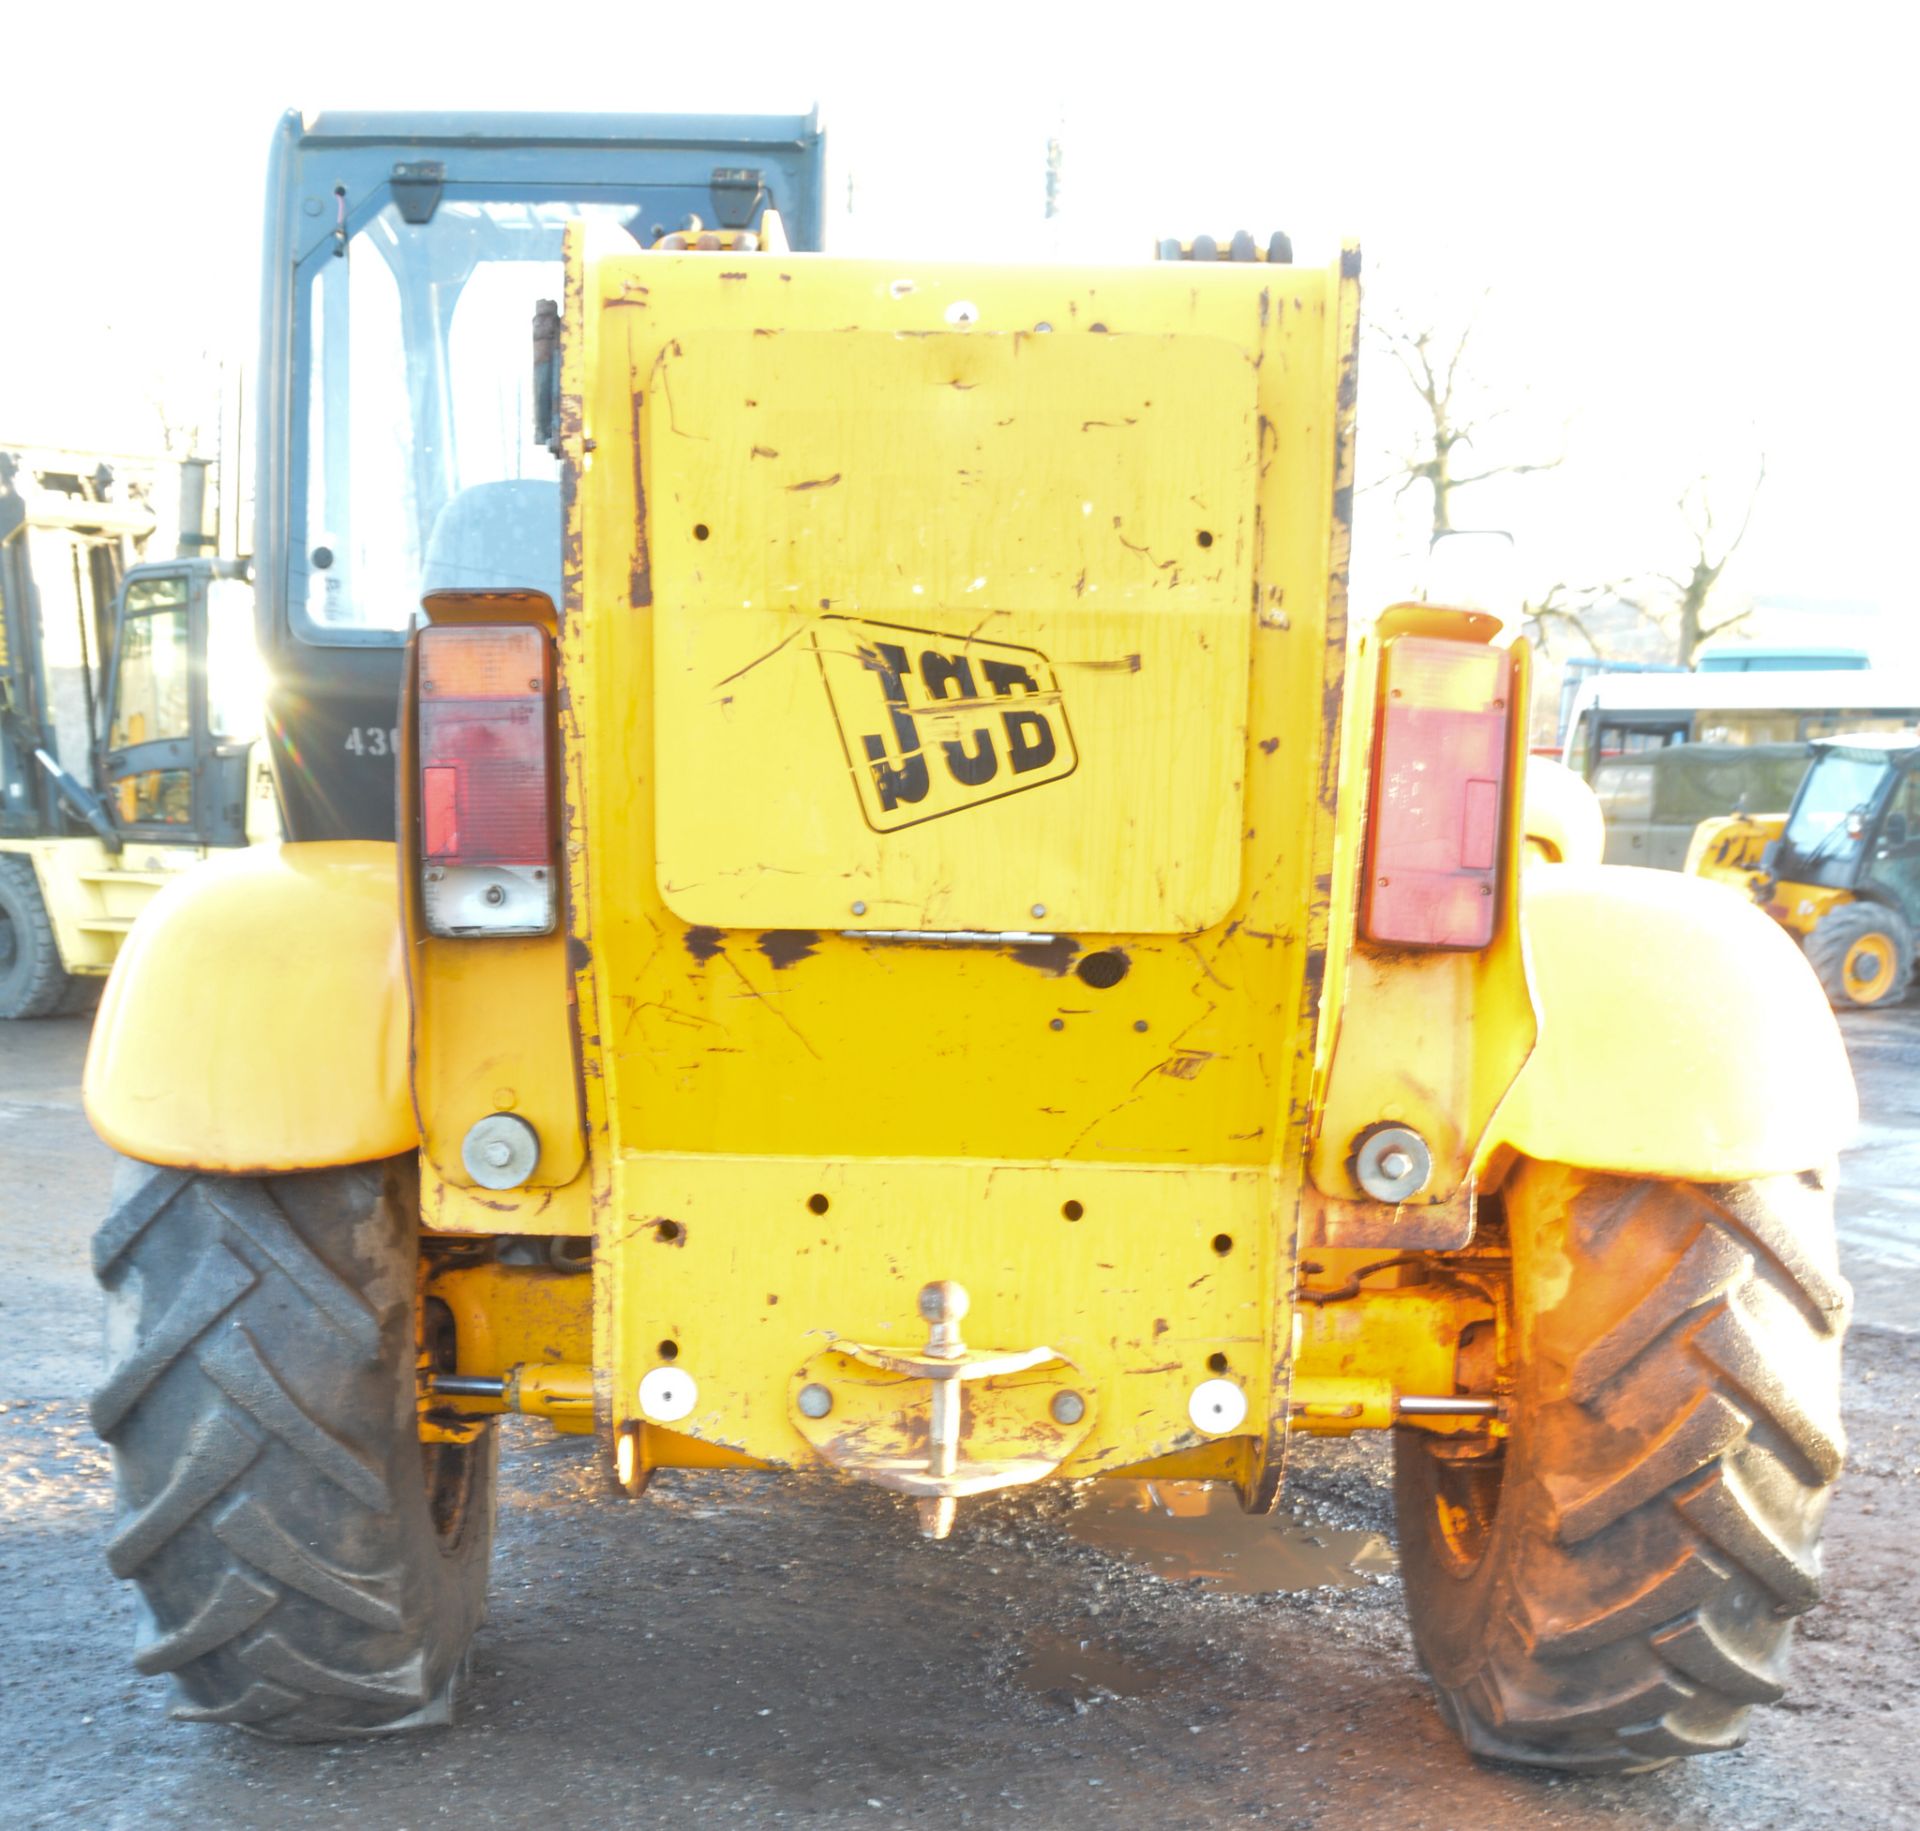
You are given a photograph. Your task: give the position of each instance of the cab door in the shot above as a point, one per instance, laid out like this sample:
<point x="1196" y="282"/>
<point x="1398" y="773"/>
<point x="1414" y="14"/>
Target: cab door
<point x="180" y="724"/>
<point x="149" y="761"/>
<point x="1893" y="866"/>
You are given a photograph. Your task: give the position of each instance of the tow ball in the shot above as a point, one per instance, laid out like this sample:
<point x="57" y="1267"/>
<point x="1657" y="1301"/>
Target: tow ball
<point x="993" y="1418"/>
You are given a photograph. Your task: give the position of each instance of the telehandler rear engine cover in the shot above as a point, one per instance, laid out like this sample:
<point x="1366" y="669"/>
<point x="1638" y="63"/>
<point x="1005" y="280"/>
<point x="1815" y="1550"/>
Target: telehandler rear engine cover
<point x="951" y="629"/>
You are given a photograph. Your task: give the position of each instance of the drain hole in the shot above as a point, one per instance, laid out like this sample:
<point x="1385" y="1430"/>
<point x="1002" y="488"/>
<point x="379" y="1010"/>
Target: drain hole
<point x="700" y="530"/>
<point x="669" y="1231"/>
<point x="1216" y="1363"/>
<point x="1204" y="538"/>
<point x="1072" y="1210"/>
<point x="669" y="1350"/>
<point x="818" y="1204"/>
<point x="1223" y="1244"/>
<point x="1103" y="970"/>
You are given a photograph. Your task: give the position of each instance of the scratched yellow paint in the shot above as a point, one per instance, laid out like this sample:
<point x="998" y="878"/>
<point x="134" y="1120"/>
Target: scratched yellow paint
<point x="1036" y="549"/>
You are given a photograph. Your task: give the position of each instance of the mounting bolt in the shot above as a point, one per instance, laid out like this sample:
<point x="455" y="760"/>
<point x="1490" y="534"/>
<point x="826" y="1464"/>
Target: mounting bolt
<point x="1392" y="1163"/>
<point x="1039" y="909"/>
<point x="1068" y="1408"/>
<point x="859" y="909"/>
<point x="500" y="1151"/>
<point x="815" y="1400"/>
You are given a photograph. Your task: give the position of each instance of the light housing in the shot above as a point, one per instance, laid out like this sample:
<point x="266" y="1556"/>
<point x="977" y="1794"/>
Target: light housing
<point x="486" y="790"/>
<point x="1440" y="789"/>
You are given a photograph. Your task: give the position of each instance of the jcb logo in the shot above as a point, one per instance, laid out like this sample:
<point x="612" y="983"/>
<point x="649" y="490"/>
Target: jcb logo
<point x="933" y="724"/>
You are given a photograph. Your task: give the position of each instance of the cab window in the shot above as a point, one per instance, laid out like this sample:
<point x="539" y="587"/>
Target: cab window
<point x="150" y="700"/>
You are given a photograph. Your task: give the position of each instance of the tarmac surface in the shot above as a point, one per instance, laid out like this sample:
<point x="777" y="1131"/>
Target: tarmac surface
<point x="730" y="1653"/>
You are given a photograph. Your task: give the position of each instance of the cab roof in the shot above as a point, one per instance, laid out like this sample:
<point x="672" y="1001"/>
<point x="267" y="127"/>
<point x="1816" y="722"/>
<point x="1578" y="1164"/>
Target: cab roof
<point x="1898" y="745"/>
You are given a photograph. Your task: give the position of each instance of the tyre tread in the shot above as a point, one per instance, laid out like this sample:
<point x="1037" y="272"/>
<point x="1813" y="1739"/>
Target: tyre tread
<point x="1671" y="1525"/>
<point x="258" y="1421"/>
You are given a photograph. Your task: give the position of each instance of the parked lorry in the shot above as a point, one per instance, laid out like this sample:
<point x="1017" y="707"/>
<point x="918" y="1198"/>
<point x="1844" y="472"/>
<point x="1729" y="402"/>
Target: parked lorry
<point x="129" y="726"/>
<point x="1840" y="870"/>
<point x="917" y="943"/>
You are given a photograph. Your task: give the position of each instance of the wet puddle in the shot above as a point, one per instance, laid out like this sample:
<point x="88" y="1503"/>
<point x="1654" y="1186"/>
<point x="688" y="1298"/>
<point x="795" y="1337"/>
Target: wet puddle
<point x="1187" y="1530"/>
<point x="1075" y="1673"/>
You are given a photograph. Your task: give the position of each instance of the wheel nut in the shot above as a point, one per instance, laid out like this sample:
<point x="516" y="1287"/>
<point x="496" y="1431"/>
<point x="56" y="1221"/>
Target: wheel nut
<point x="1068" y="1408"/>
<point x="815" y="1401"/>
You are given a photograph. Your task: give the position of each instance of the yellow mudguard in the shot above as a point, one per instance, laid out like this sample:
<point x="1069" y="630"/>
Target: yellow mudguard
<point x="256" y="1019"/>
<point x="1562" y="820"/>
<point x="1682" y="1034"/>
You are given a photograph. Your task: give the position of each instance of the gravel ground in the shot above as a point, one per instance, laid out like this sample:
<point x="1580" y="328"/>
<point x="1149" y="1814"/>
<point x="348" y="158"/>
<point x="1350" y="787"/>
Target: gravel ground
<point x="726" y="1653"/>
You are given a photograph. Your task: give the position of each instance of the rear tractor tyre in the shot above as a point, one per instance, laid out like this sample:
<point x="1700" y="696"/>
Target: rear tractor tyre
<point x="1863" y="953"/>
<point x="33" y="983"/>
<point x="307" y="1568"/>
<point x="1614" y="1588"/>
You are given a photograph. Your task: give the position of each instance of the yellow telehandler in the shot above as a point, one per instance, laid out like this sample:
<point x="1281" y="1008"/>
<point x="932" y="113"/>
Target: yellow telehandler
<point x="1840" y="870"/>
<point x="931" y="953"/>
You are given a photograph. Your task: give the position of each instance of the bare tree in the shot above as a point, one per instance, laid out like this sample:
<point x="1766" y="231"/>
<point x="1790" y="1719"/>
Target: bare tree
<point x="1563" y="608"/>
<point x="1693" y="586"/>
<point x="1456" y="412"/>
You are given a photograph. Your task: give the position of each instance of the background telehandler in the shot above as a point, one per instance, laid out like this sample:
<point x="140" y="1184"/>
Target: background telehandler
<point x="1840" y="871"/>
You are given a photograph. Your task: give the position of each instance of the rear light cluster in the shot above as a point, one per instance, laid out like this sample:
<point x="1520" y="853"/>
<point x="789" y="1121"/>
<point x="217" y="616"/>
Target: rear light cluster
<point x="1439" y="793"/>
<point x="486" y="792"/>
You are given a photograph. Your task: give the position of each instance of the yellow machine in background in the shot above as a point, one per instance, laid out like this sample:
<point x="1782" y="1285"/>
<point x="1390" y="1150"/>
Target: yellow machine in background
<point x="173" y="774"/>
<point x="939" y="959"/>
<point x="1840" y="871"/>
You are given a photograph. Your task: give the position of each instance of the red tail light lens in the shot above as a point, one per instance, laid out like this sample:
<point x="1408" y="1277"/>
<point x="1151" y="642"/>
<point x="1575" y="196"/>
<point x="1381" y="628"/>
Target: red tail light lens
<point x="486" y="800"/>
<point x="1439" y="791"/>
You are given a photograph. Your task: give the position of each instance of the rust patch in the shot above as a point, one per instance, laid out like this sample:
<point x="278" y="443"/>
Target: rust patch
<point x="579" y="954"/>
<point x="763" y="451"/>
<point x="1349" y="263"/>
<point x="1120" y="664"/>
<point x="1054" y="956"/>
<point x="702" y="943"/>
<point x="737" y="274"/>
<point x="786" y="947"/>
<point x="640" y="577"/>
<point x="1269" y="745"/>
<point x="1185" y="1064"/>
<point x="816" y="483"/>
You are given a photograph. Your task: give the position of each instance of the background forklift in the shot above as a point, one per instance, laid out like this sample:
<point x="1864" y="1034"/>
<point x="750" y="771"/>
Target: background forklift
<point x="119" y="772"/>
<point x="1841" y="869"/>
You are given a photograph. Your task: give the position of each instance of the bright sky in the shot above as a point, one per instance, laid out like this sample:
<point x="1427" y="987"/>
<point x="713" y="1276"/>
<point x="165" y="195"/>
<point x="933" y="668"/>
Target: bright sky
<point x="1696" y="218"/>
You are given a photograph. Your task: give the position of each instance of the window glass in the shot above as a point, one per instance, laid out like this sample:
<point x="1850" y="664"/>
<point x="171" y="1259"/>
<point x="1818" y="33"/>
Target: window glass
<point x="1720" y="726"/>
<point x="150" y="701"/>
<point x="1831" y="724"/>
<point x="155" y="593"/>
<point x="236" y="684"/>
<point x="1839" y="790"/>
<point x="420" y="358"/>
<point x="156" y="797"/>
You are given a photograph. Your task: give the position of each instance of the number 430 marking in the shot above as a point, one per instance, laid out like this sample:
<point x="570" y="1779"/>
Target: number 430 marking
<point x="374" y="740"/>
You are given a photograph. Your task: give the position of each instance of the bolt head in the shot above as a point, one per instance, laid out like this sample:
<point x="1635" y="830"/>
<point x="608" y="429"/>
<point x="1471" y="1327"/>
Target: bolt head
<point x="859" y="909"/>
<point x="815" y="1400"/>
<point x="1039" y="909"/>
<point x="1396" y="1164"/>
<point x="499" y="1153"/>
<point x="1068" y="1408"/>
